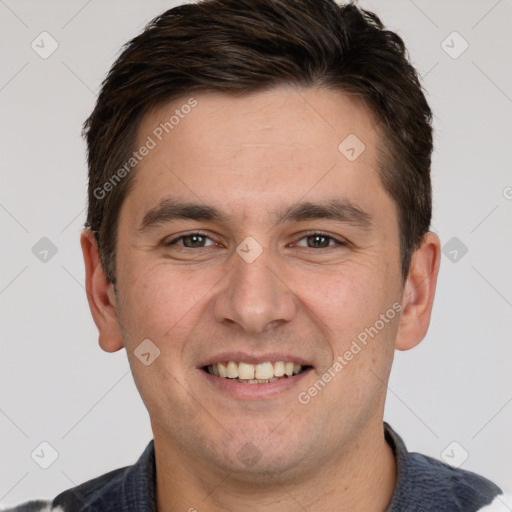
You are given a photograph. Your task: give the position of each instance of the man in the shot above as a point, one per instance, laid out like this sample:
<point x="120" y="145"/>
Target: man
<point x="258" y="241"/>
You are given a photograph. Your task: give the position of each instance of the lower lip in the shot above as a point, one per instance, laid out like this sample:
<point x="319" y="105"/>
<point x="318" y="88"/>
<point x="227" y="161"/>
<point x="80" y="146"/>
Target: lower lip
<point x="255" y="391"/>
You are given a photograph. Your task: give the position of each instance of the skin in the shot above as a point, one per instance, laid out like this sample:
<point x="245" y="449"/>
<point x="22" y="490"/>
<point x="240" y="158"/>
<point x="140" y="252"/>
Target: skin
<point x="248" y="156"/>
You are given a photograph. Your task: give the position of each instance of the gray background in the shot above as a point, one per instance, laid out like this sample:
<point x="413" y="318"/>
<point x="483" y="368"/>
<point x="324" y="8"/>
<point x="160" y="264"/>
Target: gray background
<point x="58" y="386"/>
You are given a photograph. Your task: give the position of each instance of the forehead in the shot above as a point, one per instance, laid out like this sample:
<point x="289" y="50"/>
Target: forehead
<point x="285" y="118"/>
<point x="278" y="145"/>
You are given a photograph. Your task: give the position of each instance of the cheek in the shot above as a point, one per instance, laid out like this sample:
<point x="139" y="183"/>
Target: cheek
<point x="343" y="299"/>
<point x="163" y="304"/>
<point x="354" y="310"/>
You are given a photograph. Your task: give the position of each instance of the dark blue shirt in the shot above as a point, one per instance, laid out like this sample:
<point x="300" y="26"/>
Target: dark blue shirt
<point x="423" y="484"/>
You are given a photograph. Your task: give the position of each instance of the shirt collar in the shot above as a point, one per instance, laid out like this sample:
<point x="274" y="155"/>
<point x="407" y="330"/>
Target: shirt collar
<point x="139" y="484"/>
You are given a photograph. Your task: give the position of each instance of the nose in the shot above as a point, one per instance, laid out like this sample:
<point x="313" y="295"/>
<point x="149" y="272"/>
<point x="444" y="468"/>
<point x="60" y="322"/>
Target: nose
<point x="255" y="297"/>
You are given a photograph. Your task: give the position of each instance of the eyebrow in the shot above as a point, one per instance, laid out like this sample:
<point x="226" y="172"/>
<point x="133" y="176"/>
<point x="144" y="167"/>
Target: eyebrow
<point x="169" y="209"/>
<point x="340" y="210"/>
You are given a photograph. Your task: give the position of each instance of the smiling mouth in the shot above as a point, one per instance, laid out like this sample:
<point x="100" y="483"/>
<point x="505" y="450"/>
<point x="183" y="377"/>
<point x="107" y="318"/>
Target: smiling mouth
<point x="261" y="373"/>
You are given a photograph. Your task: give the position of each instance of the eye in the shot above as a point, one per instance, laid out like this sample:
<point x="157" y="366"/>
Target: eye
<point x="319" y="241"/>
<point x="192" y="241"/>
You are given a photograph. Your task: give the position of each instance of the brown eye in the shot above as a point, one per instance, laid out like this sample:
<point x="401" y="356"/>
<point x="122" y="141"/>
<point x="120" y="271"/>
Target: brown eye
<point x="318" y="241"/>
<point x="192" y="241"/>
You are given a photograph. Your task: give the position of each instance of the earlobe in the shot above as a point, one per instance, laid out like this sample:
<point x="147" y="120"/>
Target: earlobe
<point x="419" y="291"/>
<point x="100" y="295"/>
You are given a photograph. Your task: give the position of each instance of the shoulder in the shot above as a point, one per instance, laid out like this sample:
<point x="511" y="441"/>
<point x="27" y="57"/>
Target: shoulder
<point x="82" y="498"/>
<point x="130" y="488"/>
<point x="450" y="486"/>
<point x="425" y="483"/>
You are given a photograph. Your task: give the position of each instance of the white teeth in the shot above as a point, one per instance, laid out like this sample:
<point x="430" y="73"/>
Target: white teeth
<point x="254" y="373"/>
<point x="222" y="370"/>
<point x="232" y="370"/>
<point x="256" y="381"/>
<point x="264" y="371"/>
<point x="279" y="368"/>
<point x="245" y="371"/>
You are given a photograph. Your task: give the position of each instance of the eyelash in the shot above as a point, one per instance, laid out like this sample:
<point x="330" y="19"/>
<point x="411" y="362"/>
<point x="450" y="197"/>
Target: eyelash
<point x="306" y="235"/>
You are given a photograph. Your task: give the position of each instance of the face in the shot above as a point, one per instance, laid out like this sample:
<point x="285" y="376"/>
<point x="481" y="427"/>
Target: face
<point x="252" y="244"/>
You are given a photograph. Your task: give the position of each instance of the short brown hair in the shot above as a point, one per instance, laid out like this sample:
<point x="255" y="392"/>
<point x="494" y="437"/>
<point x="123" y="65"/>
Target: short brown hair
<point x="237" y="46"/>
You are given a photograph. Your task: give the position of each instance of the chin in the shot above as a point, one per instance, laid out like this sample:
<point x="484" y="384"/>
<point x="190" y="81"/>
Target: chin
<point x="251" y="466"/>
<point x="256" y="454"/>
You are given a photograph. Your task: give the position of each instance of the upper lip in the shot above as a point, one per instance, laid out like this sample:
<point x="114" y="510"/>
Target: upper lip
<point x="253" y="358"/>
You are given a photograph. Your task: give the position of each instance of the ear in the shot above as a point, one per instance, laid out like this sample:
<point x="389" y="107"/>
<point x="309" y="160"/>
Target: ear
<point x="419" y="291"/>
<point x="100" y="294"/>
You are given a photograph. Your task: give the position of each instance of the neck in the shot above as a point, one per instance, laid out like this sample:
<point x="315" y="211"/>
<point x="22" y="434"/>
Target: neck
<point x="362" y="478"/>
